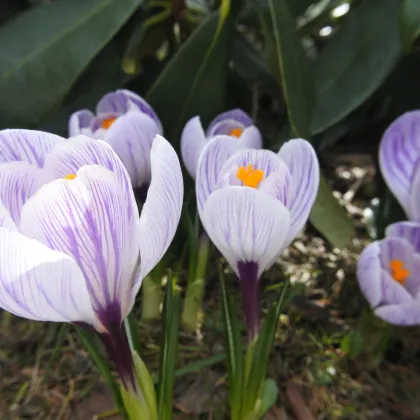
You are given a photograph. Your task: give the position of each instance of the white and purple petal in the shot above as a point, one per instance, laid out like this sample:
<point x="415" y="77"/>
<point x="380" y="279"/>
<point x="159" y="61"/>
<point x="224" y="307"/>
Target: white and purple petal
<point x="123" y="101"/>
<point x="405" y="315"/>
<point x="79" y="123"/>
<point x="246" y="225"/>
<point x="193" y="141"/>
<point x="301" y="159"/>
<point x="410" y="231"/>
<point x="162" y="210"/>
<point x="227" y="121"/>
<point x="131" y="137"/>
<point x="251" y="138"/>
<point x="399" y="154"/>
<point x="41" y="284"/>
<point x="90" y="219"/>
<point x="413" y="209"/>
<point x="18" y="182"/>
<point x="26" y="145"/>
<point x="211" y="161"/>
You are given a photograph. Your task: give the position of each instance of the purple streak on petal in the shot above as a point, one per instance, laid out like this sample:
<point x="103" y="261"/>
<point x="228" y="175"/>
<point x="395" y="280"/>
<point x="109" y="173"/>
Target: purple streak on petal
<point x="79" y="121"/>
<point x="399" y="153"/>
<point x="26" y="145"/>
<point x="90" y="219"/>
<point x="18" y="182"/>
<point x="116" y="343"/>
<point x="6" y="220"/>
<point x="279" y="185"/>
<point x="131" y="138"/>
<point x="211" y="161"/>
<point x="193" y="141"/>
<point x="251" y="138"/>
<point x="414" y="198"/>
<point x="250" y="289"/>
<point x="246" y="225"/>
<point x="227" y="121"/>
<point x="301" y="159"/>
<point x="405" y="315"/>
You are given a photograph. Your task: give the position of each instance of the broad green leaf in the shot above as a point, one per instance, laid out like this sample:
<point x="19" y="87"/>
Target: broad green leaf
<point x="330" y="218"/>
<point x="45" y="49"/>
<point x="251" y="65"/>
<point x="194" y="81"/>
<point x="356" y="61"/>
<point x="410" y="22"/>
<point x="293" y="65"/>
<point x="269" y="395"/>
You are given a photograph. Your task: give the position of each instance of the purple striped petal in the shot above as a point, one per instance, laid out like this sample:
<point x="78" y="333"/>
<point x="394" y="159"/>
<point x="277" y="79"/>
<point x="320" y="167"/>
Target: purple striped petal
<point x="26" y="145"/>
<point x="90" y="219"/>
<point x="251" y="138"/>
<point x="399" y="155"/>
<point x="410" y="231"/>
<point x="39" y="283"/>
<point x="369" y="274"/>
<point x="18" y="182"/>
<point x="69" y="156"/>
<point x="227" y="121"/>
<point x="413" y="210"/>
<point x="404" y="315"/>
<point x="131" y="137"/>
<point x="161" y="212"/>
<point x="79" y="123"/>
<point x="246" y="225"/>
<point x="211" y="161"/>
<point x="6" y="220"/>
<point x="301" y="159"/>
<point x="96" y="126"/>
<point x="122" y="101"/>
<point x="193" y="141"/>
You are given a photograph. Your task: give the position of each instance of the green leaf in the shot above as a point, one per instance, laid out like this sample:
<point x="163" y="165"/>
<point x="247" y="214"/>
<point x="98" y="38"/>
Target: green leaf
<point x="194" y="81"/>
<point x="171" y="318"/>
<point x="45" y="49"/>
<point x="91" y="344"/>
<point x="410" y="23"/>
<point x="251" y="65"/>
<point x="269" y="395"/>
<point x="234" y="351"/>
<point x="330" y="218"/>
<point x="356" y="61"/>
<point x="297" y="7"/>
<point x="293" y="65"/>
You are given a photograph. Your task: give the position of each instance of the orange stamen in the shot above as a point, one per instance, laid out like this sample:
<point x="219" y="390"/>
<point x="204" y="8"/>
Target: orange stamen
<point x="70" y="176"/>
<point x="236" y="132"/>
<point x="108" y="122"/>
<point x="249" y="176"/>
<point x="398" y="272"/>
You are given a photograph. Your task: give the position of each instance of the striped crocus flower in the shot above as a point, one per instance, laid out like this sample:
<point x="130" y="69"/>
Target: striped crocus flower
<point x="128" y="124"/>
<point x="252" y="204"/>
<point x="234" y="123"/>
<point x="78" y="249"/>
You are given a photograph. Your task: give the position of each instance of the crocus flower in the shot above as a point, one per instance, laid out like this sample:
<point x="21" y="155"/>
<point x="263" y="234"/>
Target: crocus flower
<point x="388" y="275"/>
<point x="253" y="203"/>
<point x="80" y="250"/>
<point x="235" y="123"/>
<point x="128" y="124"/>
<point x="399" y="157"/>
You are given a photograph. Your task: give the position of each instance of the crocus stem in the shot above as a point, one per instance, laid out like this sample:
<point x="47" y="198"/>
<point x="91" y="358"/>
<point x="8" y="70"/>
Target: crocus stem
<point x="192" y="313"/>
<point x="249" y="282"/>
<point x="152" y="298"/>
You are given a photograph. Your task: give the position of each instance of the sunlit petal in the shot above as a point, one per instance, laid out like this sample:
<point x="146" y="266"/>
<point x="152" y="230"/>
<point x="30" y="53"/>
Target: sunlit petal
<point x="27" y="145"/>
<point x="162" y="209"/>
<point x="301" y="159"/>
<point x="246" y="225"/>
<point x="193" y="141"/>
<point x="39" y="283"/>
<point x="89" y="218"/>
